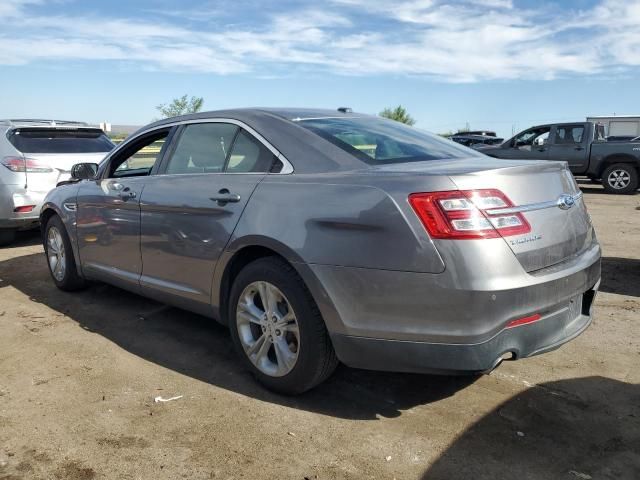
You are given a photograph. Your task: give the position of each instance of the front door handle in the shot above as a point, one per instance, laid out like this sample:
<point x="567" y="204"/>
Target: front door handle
<point x="224" y="196"/>
<point x="579" y="148"/>
<point x="542" y="149"/>
<point x="126" y="194"/>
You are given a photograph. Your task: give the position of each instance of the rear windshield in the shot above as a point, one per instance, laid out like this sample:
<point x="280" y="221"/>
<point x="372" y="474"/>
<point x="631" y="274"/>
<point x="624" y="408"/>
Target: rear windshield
<point x="47" y="140"/>
<point x="379" y="141"/>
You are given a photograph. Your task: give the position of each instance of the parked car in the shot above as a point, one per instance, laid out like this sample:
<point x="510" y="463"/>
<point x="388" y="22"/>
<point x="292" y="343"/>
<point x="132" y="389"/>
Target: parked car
<point x="476" y="141"/>
<point x="35" y="155"/>
<point x="486" y="133"/>
<point x="583" y="146"/>
<point x="418" y="255"/>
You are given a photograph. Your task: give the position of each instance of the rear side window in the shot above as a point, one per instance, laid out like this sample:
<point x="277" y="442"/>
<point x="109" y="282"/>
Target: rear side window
<point x="569" y="135"/>
<point x="48" y="140"/>
<point x="202" y="148"/>
<point x="379" y="141"/>
<point x="250" y="156"/>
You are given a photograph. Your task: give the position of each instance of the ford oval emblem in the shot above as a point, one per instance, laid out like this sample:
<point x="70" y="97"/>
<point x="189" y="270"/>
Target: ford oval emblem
<point x="565" y="202"/>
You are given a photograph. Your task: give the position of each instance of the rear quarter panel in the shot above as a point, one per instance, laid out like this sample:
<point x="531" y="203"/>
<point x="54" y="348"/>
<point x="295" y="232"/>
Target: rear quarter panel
<point x="338" y="221"/>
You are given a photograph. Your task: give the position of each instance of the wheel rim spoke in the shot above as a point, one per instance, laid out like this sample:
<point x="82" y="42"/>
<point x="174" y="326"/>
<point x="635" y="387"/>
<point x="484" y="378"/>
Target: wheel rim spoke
<point x="261" y="355"/>
<point x="249" y="312"/>
<point x="286" y="358"/>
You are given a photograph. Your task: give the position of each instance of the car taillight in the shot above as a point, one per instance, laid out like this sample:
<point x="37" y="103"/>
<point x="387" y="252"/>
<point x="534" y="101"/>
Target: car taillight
<point x="29" y="165"/>
<point x="24" y="209"/>
<point x="464" y="214"/>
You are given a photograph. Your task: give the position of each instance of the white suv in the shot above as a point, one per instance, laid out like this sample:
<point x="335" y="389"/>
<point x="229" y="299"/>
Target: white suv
<point x="34" y="156"/>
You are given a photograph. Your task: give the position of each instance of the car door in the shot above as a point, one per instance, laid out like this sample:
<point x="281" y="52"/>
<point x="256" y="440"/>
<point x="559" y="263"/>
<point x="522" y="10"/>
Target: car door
<point x="569" y="143"/>
<point x="191" y="208"/>
<point x="108" y="211"/>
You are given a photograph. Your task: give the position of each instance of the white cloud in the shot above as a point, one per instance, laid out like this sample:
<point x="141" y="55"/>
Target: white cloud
<point x="459" y="41"/>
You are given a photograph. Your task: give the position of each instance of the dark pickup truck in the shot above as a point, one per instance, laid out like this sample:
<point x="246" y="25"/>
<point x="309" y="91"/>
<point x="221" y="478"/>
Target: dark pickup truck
<point x="583" y="146"/>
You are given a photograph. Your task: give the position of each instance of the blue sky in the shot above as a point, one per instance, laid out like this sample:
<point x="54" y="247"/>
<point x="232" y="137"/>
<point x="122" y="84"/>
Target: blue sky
<point x="496" y="64"/>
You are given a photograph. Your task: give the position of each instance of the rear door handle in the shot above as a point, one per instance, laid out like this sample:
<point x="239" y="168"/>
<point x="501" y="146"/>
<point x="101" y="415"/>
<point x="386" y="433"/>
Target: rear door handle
<point x="224" y="196"/>
<point x="542" y="149"/>
<point x="579" y="148"/>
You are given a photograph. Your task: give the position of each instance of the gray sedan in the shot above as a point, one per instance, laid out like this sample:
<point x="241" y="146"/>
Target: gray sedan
<point x="321" y="236"/>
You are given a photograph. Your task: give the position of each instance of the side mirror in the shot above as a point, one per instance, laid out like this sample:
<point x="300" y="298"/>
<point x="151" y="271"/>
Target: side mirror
<point x="84" y="171"/>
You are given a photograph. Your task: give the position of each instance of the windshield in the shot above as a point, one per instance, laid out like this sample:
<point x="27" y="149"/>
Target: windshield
<point x="379" y="141"/>
<point x="48" y="140"/>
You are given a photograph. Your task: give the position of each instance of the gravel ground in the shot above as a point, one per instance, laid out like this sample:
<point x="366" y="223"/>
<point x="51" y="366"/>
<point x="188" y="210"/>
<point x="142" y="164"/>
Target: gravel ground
<point x="79" y="374"/>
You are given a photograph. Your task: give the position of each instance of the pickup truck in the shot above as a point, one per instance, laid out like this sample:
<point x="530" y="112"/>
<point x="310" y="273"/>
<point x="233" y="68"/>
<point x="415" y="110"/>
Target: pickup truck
<point x="583" y="146"/>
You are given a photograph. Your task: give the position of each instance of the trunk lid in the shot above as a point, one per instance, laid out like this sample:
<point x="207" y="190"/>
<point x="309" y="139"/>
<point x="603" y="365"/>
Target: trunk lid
<point x="557" y="233"/>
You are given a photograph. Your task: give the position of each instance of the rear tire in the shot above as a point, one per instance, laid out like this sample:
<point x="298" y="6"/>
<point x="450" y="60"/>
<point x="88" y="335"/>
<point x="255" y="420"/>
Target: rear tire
<point x="7" y="236"/>
<point x="620" y="178"/>
<point x="285" y="344"/>
<point x="59" y="255"/>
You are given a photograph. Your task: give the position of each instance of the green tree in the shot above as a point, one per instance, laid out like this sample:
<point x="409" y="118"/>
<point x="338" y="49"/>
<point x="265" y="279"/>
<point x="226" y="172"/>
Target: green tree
<point x="180" y="106"/>
<point x="399" y="114"/>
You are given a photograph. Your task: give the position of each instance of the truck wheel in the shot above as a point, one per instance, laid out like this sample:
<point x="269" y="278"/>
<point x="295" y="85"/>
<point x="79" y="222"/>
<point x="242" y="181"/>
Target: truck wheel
<point x="620" y="178"/>
<point x="7" y="236"/>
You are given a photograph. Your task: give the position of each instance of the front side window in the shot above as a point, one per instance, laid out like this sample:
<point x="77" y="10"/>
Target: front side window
<point x="379" y="141"/>
<point x="202" y="148"/>
<point x="528" y="138"/>
<point x="139" y="158"/>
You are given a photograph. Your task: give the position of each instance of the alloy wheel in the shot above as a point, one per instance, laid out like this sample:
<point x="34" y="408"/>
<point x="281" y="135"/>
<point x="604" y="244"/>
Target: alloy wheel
<point x="619" y="179"/>
<point x="56" y="253"/>
<point x="268" y="329"/>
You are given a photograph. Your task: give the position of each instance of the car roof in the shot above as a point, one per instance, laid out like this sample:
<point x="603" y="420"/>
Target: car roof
<point x="312" y="153"/>
<point x="244" y="113"/>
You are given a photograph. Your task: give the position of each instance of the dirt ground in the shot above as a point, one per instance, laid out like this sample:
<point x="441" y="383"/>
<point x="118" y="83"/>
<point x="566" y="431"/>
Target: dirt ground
<point x="79" y="373"/>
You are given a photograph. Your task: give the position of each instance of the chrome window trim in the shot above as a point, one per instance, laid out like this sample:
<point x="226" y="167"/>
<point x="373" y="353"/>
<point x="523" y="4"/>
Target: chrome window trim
<point x="287" y="167"/>
<point x="531" y="207"/>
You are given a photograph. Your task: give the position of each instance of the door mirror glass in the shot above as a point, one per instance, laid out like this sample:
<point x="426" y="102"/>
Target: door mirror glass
<point x="84" y="171"/>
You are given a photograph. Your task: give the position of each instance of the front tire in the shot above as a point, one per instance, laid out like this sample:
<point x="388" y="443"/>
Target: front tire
<point x="277" y="328"/>
<point x="620" y="178"/>
<point x="59" y="254"/>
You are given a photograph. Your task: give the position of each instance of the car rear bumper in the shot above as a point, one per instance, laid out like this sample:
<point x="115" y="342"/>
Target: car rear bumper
<point x="552" y="331"/>
<point x="406" y="321"/>
<point x="12" y="196"/>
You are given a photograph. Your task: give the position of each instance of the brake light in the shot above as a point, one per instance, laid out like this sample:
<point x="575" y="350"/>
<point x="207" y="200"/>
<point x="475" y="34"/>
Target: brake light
<point x="29" y="165"/>
<point x="463" y="214"/>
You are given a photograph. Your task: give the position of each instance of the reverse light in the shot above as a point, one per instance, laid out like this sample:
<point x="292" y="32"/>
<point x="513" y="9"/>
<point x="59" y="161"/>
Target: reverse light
<point x="463" y="214"/>
<point x="29" y="165"/>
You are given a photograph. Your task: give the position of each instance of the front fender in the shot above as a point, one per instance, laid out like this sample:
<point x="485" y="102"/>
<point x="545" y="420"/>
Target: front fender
<point x="62" y="201"/>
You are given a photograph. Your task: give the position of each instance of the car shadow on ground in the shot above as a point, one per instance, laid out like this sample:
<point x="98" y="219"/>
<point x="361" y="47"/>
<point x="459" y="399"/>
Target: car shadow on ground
<point x="583" y="428"/>
<point x="621" y="276"/>
<point x="26" y="238"/>
<point x="200" y="348"/>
